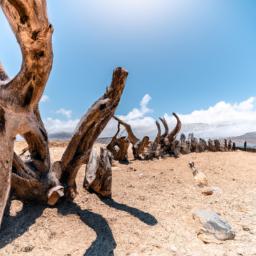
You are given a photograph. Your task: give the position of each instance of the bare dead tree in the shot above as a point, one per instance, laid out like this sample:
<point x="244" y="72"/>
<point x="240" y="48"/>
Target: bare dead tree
<point x="38" y="179"/>
<point x="138" y="146"/>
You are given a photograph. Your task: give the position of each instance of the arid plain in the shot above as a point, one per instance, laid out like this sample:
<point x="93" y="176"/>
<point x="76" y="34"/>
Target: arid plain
<point x="150" y="212"/>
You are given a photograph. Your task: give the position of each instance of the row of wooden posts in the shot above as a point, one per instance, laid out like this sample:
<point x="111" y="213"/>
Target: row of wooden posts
<point x="164" y="144"/>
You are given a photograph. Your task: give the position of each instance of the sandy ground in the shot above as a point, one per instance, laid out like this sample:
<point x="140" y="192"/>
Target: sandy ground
<point x="150" y="213"/>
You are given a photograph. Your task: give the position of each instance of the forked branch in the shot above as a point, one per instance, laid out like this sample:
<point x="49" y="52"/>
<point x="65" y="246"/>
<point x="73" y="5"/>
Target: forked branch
<point x="176" y="130"/>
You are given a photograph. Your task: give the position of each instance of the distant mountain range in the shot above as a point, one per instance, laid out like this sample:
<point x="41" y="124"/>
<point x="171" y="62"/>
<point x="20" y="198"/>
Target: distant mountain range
<point x="67" y="136"/>
<point x="197" y="129"/>
<point x="249" y="137"/>
<point x="60" y="136"/>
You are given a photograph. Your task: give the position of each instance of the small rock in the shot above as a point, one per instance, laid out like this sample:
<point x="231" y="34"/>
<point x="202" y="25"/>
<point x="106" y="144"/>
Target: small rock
<point x="132" y="169"/>
<point x="173" y="248"/>
<point x="247" y="229"/>
<point x="212" y="227"/>
<point x="28" y="248"/>
<point x="208" y="191"/>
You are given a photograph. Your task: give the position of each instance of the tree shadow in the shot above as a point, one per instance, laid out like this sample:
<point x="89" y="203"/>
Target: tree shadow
<point x="15" y="226"/>
<point x="145" y="217"/>
<point x="105" y="243"/>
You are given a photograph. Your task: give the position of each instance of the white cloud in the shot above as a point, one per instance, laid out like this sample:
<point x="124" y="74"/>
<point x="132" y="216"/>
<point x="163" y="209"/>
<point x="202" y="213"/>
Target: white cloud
<point x="58" y="126"/>
<point x="65" y="112"/>
<point x="142" y="124"/>
<point x="44" y="98"/>
<point x="221" y="120"/>
<point x="136" y="113"/>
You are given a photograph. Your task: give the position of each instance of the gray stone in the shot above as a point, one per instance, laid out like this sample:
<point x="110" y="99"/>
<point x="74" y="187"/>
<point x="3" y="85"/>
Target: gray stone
<point x="212" y="226"/>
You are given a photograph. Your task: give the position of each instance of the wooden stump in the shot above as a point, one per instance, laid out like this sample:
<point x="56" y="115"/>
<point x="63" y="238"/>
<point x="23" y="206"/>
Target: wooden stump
<point x="98" y="173"/>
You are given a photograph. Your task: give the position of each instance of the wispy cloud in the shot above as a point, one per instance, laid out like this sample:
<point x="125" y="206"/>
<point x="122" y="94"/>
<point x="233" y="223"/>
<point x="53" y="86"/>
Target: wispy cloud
<point x="58" y="126"/>
<point x="44" y="98"/>
<point x="65" y="112"/>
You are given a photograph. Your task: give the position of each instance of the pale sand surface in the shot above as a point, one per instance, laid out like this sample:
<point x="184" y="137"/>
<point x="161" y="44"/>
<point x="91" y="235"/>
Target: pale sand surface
<point x="150" y="214"/>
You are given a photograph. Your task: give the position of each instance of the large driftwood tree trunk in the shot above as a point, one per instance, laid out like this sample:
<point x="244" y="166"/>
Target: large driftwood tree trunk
<point x="38" y="179"/>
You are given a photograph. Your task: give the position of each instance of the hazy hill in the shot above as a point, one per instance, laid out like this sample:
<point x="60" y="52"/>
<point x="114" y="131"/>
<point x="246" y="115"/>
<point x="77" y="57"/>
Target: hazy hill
<point x="250" y="137"/>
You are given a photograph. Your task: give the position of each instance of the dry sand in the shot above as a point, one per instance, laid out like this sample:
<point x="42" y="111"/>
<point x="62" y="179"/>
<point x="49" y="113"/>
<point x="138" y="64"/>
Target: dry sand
<point x="150" y="213"/>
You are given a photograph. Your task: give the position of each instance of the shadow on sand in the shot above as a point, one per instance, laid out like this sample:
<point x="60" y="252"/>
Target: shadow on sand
<point x="104" y="244"/>
<point x="145" y="217"/>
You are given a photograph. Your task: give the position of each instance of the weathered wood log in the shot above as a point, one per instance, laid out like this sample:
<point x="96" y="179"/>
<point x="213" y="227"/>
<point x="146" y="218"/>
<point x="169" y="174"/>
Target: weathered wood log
<point x="229" y="145"/>
<point x="133" y="139"/>
<point x="225" y="144"/>
<point x="194" y="145"/>
<point x="119" y="147"/>
<point x="202" y="145"/>
<point x="37" y="179"/>
<point x="211" y="146"/>
<point x="175" y="149"/>
<point x="19" y="97"/>
<point x="234" y="146"/>
<point x="98" y="173"/>
<point x="168" y="143"/>
<point x="138" y="146"/>
<point x="217" y="145"/>
<point x="154" y="147"/>
<point x="245" y="146"/>
<point x="172" y="135"/>
<point x="184" y="145"/>
<point x="166" y="127"/>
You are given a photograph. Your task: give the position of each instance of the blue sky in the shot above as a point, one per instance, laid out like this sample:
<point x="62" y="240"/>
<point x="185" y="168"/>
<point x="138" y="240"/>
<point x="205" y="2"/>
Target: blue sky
<point x="187" y="55"/>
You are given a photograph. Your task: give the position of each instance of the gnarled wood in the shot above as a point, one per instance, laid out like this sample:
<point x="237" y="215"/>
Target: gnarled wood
<point x="119" y="147"/>
<point x="98" y="173"/>
<point x="38" y="179"/>
<point x="172" y="135"/>
<point x="138" y="145"/>
<point x="166" y="127"/>
<point x="154" y="147"/>
<point x="89" y="128"/>
<point x="133" y="139"/>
